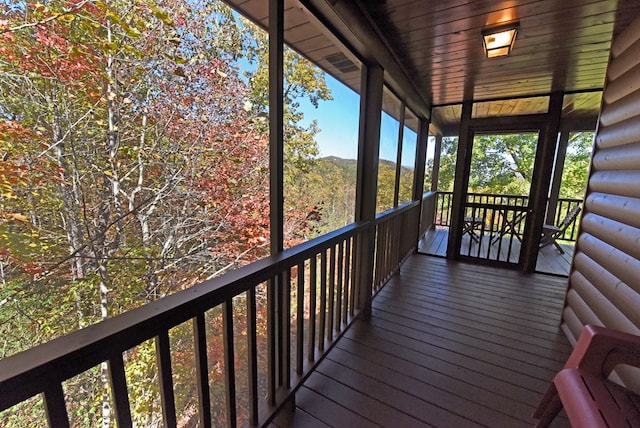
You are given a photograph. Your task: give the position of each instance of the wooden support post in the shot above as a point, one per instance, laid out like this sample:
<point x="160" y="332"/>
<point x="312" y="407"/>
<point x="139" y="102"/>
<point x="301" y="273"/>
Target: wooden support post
<point x="463" y="165"/>
<point x="275" y="330"/>
<point x="396" y="187"/>
<point x="276" y="123"/>
<point x="435" y="172"/>
<point x="561" y="153"/>
<point x="540" y="182"/>
<point x="418" y="176"/>
<point x="421" y="158"/>
<point x="366" y="189"/>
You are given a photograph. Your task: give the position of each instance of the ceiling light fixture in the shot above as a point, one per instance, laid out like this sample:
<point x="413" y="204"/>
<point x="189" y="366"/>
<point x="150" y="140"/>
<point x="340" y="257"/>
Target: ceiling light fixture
<point x="498" y="41"/>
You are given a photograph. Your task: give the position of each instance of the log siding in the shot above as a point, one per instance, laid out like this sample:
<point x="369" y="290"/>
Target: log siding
<point x="604" y="283"/>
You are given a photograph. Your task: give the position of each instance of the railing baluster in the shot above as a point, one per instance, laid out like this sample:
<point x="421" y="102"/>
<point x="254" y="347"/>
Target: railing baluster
<point x="119" y="391"/>
<point x="280" y="326"/>
<point x="378" y="258"/>
<point x="493" y="230"/>
<point x="167" y="398"/>
<point x="55" y="406"/>
<point x="332" y="292"/>
<point x="512" y="234"/>
<point x="252" y="349"/>
<point x="357" y="273"/>
<point x="313" y="284"/>
<point x="286" y="329"/>
<point x="448" y="214"/>
<point x="323" y="299"/>
<point x="347" y="281"/>
<point x="202" y="369"/>
<point x="229" y="362"/>
<point x="272" y="341"/>
<point x="300" y="320"/>
<point x="475" y="214"/>
<point x="383" y="257"/>
<point x="339" y="286"/>
<point x="394" y="251"/>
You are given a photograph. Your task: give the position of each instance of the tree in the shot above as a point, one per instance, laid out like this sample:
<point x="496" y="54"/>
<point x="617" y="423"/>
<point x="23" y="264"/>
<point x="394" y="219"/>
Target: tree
<point x="302" y="81"/>
<point x="504" y="164"/>
<point x="448" y="159"/>
<point x="135" y="164"/>
<point x="576" y="165"/>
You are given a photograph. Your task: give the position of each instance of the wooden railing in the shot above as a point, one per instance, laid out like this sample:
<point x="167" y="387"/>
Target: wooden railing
<point x="494" y="230"/>
<point x="314" y="291"/>
<point x="442" y="215"/>
<point x="396" y="237"/>
<point x="428" y="211"/>
<point x="562" y="209"/>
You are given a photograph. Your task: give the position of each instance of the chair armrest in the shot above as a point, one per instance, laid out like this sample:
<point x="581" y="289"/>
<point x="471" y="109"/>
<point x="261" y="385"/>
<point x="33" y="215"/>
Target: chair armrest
<point x="600" y="349"/>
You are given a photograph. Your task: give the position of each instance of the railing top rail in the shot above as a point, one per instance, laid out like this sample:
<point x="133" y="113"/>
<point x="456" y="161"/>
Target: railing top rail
<point x="393" y="212"/>
<point x="497" y="207"/>
<point x="62" y="358"/>
<point x="429" y="194"/>
<point x="449" y="192"/>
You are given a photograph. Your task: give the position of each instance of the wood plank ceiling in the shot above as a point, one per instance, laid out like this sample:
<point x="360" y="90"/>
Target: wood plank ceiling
<point x="562" y="45"/>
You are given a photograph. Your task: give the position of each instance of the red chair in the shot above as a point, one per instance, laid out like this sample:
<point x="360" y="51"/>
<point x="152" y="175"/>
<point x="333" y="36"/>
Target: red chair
<point x="582" y="388"/>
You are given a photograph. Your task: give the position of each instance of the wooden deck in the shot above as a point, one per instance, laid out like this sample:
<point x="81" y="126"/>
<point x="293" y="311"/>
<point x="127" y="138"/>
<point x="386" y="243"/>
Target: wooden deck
<point x="549" y="258"/>
<point x="448" y="345"/>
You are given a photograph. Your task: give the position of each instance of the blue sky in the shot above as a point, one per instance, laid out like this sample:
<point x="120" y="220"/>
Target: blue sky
<point x="338" y="122"/>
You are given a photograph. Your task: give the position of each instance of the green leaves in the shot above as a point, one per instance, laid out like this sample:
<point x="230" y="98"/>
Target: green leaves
<point x="161" y="14"/>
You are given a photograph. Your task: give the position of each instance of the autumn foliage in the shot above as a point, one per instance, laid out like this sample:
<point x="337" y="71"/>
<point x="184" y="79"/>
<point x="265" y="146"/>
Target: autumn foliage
<point x="133" y="163"/>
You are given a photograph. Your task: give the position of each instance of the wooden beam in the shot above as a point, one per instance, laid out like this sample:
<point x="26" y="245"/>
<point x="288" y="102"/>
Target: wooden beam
<point x="356" y="27"/>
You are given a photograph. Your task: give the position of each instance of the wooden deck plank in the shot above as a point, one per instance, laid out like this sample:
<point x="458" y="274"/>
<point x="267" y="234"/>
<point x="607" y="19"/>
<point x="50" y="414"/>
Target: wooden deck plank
<point x="456" y="301"/>
<point x="492" y="294"/>
<point x="381" y="348"/>
<point x="340" y="383"/>
<point x="448" y="344"/>
<point x="441" y="315"/>
<point x="297" y="419"/>
<point x="461" y="361"/>
<point x="327" y="410"/>
<point x="482" y="352"/>
<point x="518" y="348"/>
<point x="434" y="387"/>
<point x="404" y="399"/>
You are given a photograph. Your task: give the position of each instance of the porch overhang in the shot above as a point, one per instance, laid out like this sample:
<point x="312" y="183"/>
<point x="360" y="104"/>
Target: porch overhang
<point x="433" y="56"/>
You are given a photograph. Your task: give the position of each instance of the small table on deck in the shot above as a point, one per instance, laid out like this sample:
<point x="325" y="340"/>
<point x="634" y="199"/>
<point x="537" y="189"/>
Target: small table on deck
<point x="471" y="225"/>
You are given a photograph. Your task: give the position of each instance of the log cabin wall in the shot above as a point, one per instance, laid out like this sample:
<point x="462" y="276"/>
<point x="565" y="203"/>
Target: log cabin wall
<point x="604" y="284"/>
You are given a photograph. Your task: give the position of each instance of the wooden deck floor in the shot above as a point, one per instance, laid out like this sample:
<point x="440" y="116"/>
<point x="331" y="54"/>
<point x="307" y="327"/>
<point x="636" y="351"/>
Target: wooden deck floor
<point x="549" y="258"/>
<point x="448" y="345"/>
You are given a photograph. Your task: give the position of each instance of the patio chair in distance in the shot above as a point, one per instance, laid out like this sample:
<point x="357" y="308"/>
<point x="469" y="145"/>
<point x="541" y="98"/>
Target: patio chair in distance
<point x="550" y="232"/>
